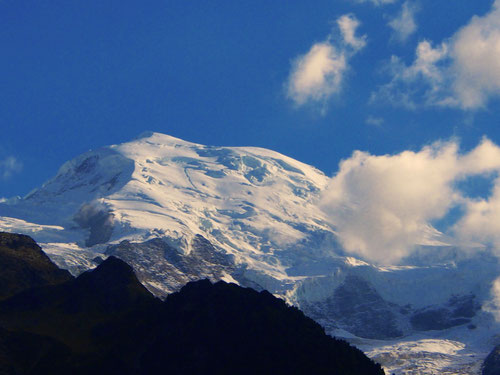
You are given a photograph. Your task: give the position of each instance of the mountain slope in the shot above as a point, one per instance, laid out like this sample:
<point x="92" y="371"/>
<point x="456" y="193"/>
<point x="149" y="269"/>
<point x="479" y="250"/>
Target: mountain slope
<point x="106" y="322"/>
<point x="492" y="362"/>
<point x="253" y="205"/>
<point x="25" y="265"/>
<point x="271" y="337"/>
<point x="178" y="212"/>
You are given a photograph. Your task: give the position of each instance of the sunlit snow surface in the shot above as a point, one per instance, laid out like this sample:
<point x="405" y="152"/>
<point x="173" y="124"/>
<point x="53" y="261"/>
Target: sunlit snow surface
<point x="251" y="202"/>
<point x="455" y="351"/>
<point x="259" y="211"/>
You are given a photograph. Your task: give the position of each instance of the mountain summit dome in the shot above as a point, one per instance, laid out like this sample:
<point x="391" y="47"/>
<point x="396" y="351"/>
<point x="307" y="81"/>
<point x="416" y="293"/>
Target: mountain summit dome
<point x="251" y="204"/>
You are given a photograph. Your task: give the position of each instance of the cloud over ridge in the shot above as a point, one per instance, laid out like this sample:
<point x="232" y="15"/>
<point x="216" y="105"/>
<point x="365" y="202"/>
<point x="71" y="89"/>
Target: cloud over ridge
<point x="382" y="206"/>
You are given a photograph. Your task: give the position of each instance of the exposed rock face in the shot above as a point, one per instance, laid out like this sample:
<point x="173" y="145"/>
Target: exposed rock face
<point x="357" y="307"/>
<point x="457" y="311"/>
<point x="164" y="269"/>
<point x="24" y="265"/>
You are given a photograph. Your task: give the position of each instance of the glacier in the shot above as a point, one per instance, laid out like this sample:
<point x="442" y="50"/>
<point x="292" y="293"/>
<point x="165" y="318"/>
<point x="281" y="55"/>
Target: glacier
<point x="179" y="211"/>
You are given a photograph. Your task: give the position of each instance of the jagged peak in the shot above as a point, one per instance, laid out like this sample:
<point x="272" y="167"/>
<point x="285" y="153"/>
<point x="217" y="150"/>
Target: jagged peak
<point x="112" y="271"/>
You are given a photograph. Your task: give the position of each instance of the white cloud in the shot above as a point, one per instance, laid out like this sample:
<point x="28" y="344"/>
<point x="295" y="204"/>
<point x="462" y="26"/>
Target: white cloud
<point x="422" y="83"/>
<point x="382" y="206"/>
<point x="375" y="121"/>
<point x="476" y="57"/>
<point x="348" y="25"/>
<point x="481" y="221"/>
<point x="462" y="72"/>
<point x="319" y="74"/>
<point x="377" y="2"/>
<point x="404" y="23"/>
<point x="9" y="166"/>
<point x="493" y="306"/>
<point x="485" y="158"/>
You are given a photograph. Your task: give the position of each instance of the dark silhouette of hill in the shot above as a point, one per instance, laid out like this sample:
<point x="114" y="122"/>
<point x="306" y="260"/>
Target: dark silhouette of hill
<point x="106" y="322"/>
<point x="235" y="330"/>
<point x="27" y="353"/>
<point x="491" y="365"/>
<point x="25" y="265"/>
<point x="78" y="312"/>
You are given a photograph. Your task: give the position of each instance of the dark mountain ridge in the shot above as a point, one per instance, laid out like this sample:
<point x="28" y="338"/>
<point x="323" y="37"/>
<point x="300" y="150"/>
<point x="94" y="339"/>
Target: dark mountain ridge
<point x="491" y="365"/>
<point x="25" y="265"/>
<point x="106" y="322"/>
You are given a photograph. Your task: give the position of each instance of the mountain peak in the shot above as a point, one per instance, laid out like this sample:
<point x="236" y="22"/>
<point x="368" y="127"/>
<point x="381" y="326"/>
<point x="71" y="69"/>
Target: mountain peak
<point x="160" y="139"/>
<point x="17" y="242"/>
<point x="145" y="134"/>
<point x="157" y="185"/>
<point x="112" y="271"/>
<point x="25" y="265"/>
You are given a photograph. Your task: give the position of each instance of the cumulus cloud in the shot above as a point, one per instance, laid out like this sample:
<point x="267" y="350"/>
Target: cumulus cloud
<point x="348" y="25"/>
<point x="319" y="74"/>
<point x="481" y="219"/>
<point x="462" y="71"/>
<point x="382" y="206"/>
<point x="9" y="166"/>
<point x="481" y="223"/>
<point x="404" y="23"/>
<point x="485" y="158"/>
<point x="476" y="57"/>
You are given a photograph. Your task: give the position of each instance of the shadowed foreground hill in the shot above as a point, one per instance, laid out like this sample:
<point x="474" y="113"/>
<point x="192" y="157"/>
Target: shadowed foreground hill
<point x="24" y="265"/>
<point x="234" y="330"/>
<point x="491" y="364"/>
<point x="106" y="322"/>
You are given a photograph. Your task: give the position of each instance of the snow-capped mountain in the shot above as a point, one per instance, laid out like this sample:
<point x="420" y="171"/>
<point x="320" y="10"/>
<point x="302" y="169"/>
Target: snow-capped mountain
<point x="254" y="206"/>
<point x="178" y="211"/>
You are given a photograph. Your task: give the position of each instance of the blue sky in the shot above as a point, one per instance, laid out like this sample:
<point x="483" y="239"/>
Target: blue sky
<point x="313" y="81"/>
